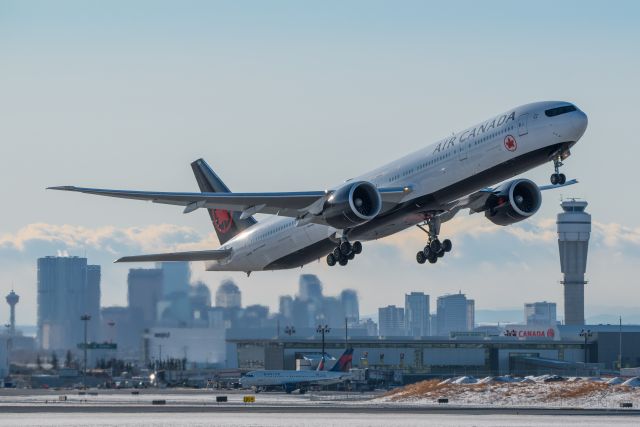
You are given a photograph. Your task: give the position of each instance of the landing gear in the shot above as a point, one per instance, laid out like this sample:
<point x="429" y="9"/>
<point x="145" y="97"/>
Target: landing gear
<point x="435" y="248"/>
<point x="344" y="252"/>
<point x="558" y="178"/>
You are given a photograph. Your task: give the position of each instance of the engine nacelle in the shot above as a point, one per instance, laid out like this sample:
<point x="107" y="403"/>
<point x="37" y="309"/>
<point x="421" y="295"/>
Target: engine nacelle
<point x="352" y="204"/>
<point x="515" y="201"/>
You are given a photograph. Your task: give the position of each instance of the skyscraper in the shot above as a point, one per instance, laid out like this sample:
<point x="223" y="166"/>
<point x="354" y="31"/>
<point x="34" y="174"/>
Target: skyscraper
<point x="176" y="277"/>
<point x="453" y="314"/>
<point x="286" y="307"/>
<point x="391" y="321"/>
<point x="416" y="314"/>
<point x="540" y="313"/>
<point x="228" y="295"/>
<point x="574" y="230"/>
<point x="310" y="288"/>
<point x="144" y="287"/>
<point x="350" y="305"/>
<point x="67" y="289"/>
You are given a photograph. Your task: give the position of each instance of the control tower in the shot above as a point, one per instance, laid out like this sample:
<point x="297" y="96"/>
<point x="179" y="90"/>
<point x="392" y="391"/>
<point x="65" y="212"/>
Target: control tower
<point x="12" y="300"/>
<point x="574" y="229"/>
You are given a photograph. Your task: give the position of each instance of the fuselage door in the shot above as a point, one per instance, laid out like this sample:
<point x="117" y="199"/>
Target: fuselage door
<point x="522" y="124"/>
<point x="463" y="150"/>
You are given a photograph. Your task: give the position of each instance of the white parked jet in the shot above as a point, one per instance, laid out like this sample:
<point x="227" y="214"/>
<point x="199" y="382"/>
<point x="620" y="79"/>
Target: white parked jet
<point x="300" y="380"/>
<point x="423" y="189"/>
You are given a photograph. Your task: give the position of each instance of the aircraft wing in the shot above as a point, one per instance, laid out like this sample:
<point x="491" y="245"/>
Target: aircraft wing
<point x="179" y="256"/>
<point x="291" y="204"/>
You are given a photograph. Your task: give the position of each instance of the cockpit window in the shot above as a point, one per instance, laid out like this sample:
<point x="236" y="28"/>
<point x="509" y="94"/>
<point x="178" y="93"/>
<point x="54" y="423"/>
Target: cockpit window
<point x="560" y="110"/>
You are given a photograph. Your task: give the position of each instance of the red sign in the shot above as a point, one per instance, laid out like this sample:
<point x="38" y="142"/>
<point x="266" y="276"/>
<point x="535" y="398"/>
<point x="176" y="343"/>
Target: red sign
<point x="510" y="143"/>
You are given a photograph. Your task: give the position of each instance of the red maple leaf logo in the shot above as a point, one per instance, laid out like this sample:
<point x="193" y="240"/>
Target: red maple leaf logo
<point x="510" y="143"/>
<point x="222" y="220"/>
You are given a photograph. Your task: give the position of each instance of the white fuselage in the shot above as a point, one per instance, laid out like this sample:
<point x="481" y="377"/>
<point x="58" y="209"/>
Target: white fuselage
<point x="282" y="378"/>
<point x="458" y="158"/>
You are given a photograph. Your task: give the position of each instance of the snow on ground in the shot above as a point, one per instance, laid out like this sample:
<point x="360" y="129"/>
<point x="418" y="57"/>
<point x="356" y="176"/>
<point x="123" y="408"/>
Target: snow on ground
<point x="548" y="391"/>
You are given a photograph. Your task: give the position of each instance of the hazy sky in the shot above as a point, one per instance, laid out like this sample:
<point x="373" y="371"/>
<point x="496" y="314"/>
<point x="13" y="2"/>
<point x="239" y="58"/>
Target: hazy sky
<point x="281" y="96"/>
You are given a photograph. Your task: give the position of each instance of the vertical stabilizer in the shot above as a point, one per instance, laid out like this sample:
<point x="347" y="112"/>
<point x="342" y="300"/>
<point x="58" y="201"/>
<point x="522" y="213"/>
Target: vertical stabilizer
<point x="226" y="223"/>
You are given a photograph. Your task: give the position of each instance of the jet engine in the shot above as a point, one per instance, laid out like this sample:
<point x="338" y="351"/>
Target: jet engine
<point x="352" y="204"/>
<point x="513" y="201"/>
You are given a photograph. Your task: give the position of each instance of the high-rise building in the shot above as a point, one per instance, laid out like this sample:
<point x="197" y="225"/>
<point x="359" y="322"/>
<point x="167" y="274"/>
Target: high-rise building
<point x="228" y="295"/>
<point x="332" y="313"/>
<point x="176" y="277"/>
<point x="285" y="309"/>
<point x="574" y="230"/>
<point x="471" y="314"/>
<point x="200" y="302"/>
<point x="416" y="314"/>
<point x="144" y="287"/>
<point x="174" y="309"/>
<point x="454" y="314"/>
<point x="67" y="289"/>
<point x="540" y="313"/>
<point x="349" y="298"/>
<point x="310" y="288"/>
<point x="391" y="321"/>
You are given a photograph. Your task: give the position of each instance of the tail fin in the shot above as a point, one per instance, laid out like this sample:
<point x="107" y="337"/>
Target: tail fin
<point x="344" y="363"/>
<point x="226" y="223"/>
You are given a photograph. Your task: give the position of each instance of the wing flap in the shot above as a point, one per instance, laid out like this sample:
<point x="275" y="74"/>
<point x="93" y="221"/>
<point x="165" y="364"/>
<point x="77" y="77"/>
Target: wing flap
<point x="211" y="255"/>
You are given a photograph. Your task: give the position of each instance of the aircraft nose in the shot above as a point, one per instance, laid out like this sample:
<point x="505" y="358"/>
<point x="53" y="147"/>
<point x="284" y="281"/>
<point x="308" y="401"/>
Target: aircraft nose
<point x="580" y="123"/>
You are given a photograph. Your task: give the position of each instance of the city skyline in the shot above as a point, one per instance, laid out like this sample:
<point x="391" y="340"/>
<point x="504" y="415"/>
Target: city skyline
<point x="368" y="82"/>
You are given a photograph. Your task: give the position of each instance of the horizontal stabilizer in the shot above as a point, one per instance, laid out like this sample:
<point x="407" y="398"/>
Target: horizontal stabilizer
<point x="179" y="256"/>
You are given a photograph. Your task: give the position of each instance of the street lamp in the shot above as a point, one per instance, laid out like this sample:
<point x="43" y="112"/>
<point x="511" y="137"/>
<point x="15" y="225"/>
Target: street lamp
<point x="85" y="318"/>
<point x="586" y="334"/>
<point x="289" y="330"/>
<point x="323" y="330"/>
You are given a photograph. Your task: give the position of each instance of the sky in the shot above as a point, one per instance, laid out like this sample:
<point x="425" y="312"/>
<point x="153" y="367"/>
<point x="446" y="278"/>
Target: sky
<point x="285" y="96"/>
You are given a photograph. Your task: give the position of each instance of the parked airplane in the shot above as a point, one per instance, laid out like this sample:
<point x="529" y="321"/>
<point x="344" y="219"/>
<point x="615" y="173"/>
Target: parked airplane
<point x="423" y="189"/>
<point x="300" y="380"/>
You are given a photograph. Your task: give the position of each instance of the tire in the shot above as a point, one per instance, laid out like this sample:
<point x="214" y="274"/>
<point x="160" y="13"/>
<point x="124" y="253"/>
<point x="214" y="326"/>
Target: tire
<point x="345" y="248"/>
<point x="432" y="259"/>
<point x="435" y="246"/>
<point x="420" y="257"/>
<point x="447" y="245"/>
<point x="331" y="260"/>
<point x="555" y="179"/>
<point x="337" y="254"/>
<point x="351" y="255"/>
<point x="357" y="248"/>
<point x="440" y="254"/>
<point x="562" y="179"/>
<point x="343" y="261"/>
<point x="426" y="252"/>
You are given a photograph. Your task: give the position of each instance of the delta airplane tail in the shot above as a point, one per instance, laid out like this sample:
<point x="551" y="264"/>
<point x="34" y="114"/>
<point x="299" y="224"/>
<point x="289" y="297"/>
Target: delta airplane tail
<point x="226" y="223"/>
<point x="344" y="363"/>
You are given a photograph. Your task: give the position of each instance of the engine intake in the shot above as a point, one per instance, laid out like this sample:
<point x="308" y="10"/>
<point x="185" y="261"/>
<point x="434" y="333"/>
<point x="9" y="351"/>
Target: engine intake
<point x="515" y="201"/>
<point x="352" y="204"/>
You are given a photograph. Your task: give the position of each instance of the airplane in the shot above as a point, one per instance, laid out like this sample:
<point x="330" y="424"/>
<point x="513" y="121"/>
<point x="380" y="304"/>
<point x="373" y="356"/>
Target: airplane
<point x="300" y="380"/>
<point x="423" y="189"/>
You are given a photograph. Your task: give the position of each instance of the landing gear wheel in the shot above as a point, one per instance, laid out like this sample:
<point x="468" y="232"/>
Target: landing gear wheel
<point x="343" y="261"/>
<point x="447" y="245"/>
<point x="562" y="179"/>
<point x="351" y="256"/>
<point x="356" y="247"/>
<point x="432" y="259"/>
<point x="420" y="257"/>
<point x="426" y="251"/>
<point x="345" y="248"/>
<point x="435" y="246"/>
<point x="337" y="254"/>
<point x="440" y="254"/>
<point x="331" y="260"/>
<point x="555" y="179"/>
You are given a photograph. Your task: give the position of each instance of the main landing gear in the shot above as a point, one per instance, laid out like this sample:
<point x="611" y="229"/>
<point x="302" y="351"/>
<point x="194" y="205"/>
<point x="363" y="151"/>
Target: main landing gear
<point x="558" y="178"/>
<point x="344" y="252"/>
<point x="435" y="248"/>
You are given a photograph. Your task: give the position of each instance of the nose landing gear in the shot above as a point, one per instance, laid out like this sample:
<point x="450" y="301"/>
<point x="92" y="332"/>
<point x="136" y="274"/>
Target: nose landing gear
<point x="343" y="253"/>
<point x="558" y="178"/>
<point x="435" y="248"/>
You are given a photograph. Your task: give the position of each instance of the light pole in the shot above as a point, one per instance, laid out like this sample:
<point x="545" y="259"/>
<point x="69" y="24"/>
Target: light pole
<point x="289" y="330"/>
<point x="586" y="334"/>
<point x="85" y="318"/>
<point x="323" y="330"/>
